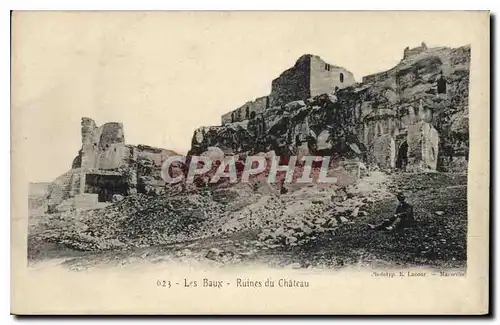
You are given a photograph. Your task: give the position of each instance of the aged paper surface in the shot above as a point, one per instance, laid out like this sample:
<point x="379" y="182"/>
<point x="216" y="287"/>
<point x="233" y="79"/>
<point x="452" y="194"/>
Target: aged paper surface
<point x="100" y="100"/>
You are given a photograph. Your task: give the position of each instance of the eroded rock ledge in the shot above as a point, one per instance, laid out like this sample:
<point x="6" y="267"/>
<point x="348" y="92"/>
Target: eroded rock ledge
<point x="413" y="116"/>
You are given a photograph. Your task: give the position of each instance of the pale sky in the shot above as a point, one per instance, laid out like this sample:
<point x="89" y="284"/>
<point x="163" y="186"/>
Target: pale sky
<point x="165" y="74"/>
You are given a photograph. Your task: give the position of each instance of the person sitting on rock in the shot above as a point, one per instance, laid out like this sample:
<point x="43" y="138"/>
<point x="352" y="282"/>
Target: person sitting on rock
<point x="402" y="218"/>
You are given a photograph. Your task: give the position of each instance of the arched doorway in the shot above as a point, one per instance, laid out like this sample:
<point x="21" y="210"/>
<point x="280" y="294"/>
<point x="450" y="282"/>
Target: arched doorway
<point x="402" y="159"/>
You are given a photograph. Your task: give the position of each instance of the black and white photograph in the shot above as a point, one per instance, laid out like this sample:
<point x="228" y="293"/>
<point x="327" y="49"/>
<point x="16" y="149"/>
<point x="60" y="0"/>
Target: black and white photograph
<point x="232" y="141"/>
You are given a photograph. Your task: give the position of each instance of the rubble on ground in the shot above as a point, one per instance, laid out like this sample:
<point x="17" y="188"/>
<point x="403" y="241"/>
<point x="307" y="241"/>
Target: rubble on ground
<point x="300" y="216"/>
<point x="136" y="221"/>
<point x="286" y="220"/>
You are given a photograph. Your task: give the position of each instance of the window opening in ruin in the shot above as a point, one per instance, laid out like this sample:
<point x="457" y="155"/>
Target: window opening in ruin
<point x="341" y="77"/>
<point x="441" y="86"/>
<point x="247" y="112"/>
<point x="252" y="115"/>
<point x="327" y="67"/>
<point x="402" y="159"/>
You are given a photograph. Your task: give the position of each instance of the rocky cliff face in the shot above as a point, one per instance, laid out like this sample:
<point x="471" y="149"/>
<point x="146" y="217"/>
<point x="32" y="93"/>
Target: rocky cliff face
<point x="414" y="116"/>
<point x="292" y="83"/>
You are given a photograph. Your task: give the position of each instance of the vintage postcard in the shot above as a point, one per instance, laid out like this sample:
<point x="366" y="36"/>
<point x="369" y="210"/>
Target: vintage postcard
<point x="250" y="162"/>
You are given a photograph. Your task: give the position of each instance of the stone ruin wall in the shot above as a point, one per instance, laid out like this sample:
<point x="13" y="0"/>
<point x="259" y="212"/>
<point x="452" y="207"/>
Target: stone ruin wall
<point x="103" y="147"/>
<point x="63" y="187"/>
<point x="309" y="77"/>
<point x="258" y="106"/>
<point x="324" y="77"/>
<point x="428" y="87"/>
<point x="414" y="51"/>
<point x="424" y="97"/>
<point x="423" y="141"/>
<point x="104" y="154"/>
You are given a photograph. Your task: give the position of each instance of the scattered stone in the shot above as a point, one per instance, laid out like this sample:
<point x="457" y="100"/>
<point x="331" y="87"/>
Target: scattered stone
<point x="298" y="234"/>
<point x="319" y="221"/>
<point x="213" y="254"/>
<point x="293" y="266"/>
<point x="186" y="252"/>
<point x="117" y="198"/>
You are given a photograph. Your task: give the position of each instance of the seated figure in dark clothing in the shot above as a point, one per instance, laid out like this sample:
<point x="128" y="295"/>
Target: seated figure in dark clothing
<point x="402" y="218"/>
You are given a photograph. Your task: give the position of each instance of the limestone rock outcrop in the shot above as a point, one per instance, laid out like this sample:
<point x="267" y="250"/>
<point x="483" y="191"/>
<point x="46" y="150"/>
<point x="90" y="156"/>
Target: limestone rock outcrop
<point x="413" y="116"/>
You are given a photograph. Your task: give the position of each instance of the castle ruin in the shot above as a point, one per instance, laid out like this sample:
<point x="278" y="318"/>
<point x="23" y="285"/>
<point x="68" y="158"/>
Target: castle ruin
<point x="413" y="116"/>
<point x="309" y="77"/>
<point x="106" y="168"/>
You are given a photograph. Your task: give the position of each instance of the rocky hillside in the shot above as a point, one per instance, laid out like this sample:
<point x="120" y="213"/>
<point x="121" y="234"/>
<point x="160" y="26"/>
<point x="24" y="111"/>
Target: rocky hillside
<point x="306" y="227"/>
<point x="277" y="219"/>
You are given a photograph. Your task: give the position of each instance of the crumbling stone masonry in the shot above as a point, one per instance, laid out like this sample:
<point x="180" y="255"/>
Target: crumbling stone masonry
<point x="413" y="116"/>
<point x="384" y="151"/>
<point x="106" y="167"/>
<point x="244" y="112"/>
<point x="423" y="145"/>
<point x="309" y="77"/>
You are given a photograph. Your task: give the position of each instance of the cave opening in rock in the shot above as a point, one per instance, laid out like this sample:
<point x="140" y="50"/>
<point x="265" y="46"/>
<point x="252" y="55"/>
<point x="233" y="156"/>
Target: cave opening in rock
<point x="441" y="86"/>
<point x="402" y="159"/>
<point x="105" y="186"/>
